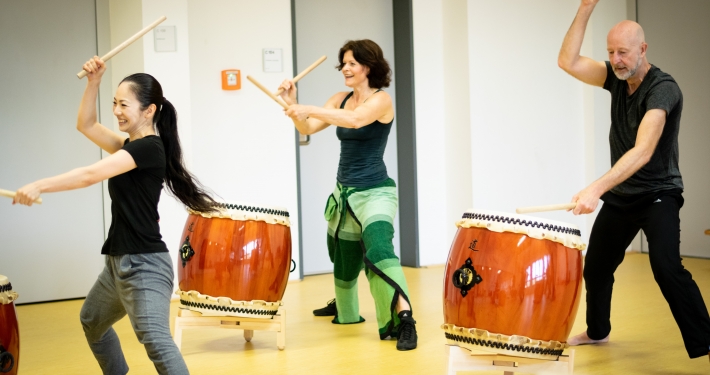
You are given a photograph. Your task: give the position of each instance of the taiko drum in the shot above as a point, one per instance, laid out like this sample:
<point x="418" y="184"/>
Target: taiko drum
<point x="512" y="284"/>
<point x="235" y="261"/>
<point x="9" y="330"/>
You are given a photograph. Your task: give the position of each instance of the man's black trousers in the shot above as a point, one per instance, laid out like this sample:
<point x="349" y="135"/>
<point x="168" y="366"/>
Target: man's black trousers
<point x="615" y="227"/>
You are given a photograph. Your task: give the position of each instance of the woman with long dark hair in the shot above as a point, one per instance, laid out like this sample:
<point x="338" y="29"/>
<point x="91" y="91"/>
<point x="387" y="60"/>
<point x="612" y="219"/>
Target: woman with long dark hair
<point x="361" y="210"/>
<point x="138" y="278"/>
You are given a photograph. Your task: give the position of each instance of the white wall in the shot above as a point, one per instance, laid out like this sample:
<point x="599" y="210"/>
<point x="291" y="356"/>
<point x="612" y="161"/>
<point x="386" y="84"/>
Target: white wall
<point x="126" y="20"/>
<point x="48" y="251"/>
<point x="457" y="117"/>
<point x="428" y="24"/>
<point x="527" y="131"/>
<point x="444" y="167"/>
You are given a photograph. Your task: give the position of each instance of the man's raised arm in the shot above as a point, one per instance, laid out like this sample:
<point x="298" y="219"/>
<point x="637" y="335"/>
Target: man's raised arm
<point x="583" y="68"/>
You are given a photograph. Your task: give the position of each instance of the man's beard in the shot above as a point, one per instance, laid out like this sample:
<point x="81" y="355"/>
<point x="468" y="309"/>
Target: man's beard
<point x="629" y="73"/>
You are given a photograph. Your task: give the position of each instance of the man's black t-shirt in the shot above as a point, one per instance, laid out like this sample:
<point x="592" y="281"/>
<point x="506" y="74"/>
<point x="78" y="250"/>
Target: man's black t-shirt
<point x="657" y="91"/>
<point x="134" y="201"/>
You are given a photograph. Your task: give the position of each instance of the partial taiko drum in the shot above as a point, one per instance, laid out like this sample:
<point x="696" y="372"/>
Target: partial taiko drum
<point x="9" y="330"/>
<point x="235" y="262"/>
<point x="512" y="284"/>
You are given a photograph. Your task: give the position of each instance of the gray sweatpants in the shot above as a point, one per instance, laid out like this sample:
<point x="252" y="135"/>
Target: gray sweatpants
<point x="139" y="285"/>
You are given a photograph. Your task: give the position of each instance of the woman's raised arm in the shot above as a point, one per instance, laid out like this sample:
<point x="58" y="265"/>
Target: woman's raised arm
<point x="86" y="121"/>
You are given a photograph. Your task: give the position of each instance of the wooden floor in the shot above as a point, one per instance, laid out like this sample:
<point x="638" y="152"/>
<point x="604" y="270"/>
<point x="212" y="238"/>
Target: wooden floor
<point x="644" y="340"/>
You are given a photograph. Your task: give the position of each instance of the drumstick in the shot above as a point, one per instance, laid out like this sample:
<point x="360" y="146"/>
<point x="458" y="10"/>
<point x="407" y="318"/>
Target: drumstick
<point x="303" y="73"/>
<point x="552" y="207"/>
<point x="11" y="194"/>
<point x="125" y="44"/>
<point x="267" y="92"/>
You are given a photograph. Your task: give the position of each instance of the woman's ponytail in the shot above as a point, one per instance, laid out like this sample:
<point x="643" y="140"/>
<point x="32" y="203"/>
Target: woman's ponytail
<point x="181" y="183"/>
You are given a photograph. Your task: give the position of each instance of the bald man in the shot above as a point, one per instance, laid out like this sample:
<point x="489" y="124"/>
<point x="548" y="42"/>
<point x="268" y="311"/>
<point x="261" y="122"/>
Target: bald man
<point x="643" y="189"/>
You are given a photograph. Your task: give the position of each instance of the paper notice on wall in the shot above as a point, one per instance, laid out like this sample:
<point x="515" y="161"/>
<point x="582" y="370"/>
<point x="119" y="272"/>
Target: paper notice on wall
<point x="273" y="61"/>
<point x="165" y="40"/>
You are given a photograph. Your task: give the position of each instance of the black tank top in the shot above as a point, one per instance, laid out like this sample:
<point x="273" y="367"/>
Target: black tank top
<point x="361" y="152"/>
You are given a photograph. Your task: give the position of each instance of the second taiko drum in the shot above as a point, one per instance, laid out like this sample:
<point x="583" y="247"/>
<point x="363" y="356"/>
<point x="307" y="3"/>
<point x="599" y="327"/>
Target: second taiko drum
<point x="512" y="284"/>
<point x="235" y="262"/>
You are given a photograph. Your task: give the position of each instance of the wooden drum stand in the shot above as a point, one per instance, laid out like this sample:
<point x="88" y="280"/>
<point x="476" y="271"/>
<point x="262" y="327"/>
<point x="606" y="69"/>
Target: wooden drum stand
<point x="192" y="319"/>
<point x="461" y="359"/>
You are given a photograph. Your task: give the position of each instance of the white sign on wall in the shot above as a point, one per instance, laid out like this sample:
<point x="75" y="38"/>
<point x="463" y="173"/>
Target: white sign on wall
<point x="273" y="61"/>
<point x="165" y="40"/>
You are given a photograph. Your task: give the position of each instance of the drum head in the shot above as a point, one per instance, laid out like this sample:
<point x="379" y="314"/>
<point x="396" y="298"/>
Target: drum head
<point x="7" y="295"/>
<point x="557" y="231"/>
<point x="246" y="211"/>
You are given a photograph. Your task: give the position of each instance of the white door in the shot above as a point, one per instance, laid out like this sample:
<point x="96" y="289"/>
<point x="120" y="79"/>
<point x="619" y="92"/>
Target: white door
<point x="322" y="27"/>
<point x="50" y="251"/>
<point x="677" y="33"/>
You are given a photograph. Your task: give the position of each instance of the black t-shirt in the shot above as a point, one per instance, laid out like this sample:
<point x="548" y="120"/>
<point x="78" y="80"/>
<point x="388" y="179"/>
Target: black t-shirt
<point x="657" y="91"/>
<point x="134" y="201"/>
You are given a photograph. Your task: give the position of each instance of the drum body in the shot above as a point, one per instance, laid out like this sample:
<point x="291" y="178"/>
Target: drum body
<point x="235" y="262"/>
<point x="512" y="284"/>
<point x="9" y="330"/>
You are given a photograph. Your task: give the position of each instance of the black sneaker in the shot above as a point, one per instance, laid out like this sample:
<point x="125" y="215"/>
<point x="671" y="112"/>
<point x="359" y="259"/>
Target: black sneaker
<point x="407" y="339"/>
<point x="329" y="310"/>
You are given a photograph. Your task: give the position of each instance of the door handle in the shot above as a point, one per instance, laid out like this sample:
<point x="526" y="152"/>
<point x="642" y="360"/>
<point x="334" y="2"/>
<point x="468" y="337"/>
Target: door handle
<point x="304" y="140"/>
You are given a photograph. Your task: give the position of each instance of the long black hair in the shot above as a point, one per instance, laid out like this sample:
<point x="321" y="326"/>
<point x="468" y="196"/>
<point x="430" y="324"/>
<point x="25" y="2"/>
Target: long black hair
<point x="181" y="183"/>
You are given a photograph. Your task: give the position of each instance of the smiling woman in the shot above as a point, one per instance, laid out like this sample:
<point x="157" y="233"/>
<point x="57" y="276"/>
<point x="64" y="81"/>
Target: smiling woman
<point x="138" y="277"/>
<point x="361" y="210"/>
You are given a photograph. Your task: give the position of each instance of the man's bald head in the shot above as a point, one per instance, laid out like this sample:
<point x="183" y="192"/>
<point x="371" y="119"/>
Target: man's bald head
<point x="629" y="32"/>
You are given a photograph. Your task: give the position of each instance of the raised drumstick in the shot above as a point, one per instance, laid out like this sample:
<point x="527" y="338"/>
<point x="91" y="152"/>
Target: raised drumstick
<point x="552" y="207"/>
<point x="125" y="44"/>
<point x="303" y="73"/>
<point x="267" y="92"/>
<point x="11" y="194"/>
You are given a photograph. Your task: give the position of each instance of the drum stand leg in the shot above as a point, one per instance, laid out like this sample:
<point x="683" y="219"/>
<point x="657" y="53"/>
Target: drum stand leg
<point x="461" y="359"/>
<point x="186" y="319"/>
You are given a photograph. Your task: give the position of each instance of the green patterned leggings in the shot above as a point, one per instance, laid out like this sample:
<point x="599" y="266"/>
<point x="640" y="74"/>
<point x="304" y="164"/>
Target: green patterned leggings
<point x="360" y="233"/>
